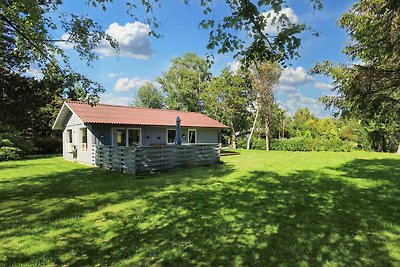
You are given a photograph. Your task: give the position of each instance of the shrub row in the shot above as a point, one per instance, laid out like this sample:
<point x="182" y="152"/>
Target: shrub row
<point x="14" y="146"/>
<point x="302" y="144"/>
<point x="312" y="144"/>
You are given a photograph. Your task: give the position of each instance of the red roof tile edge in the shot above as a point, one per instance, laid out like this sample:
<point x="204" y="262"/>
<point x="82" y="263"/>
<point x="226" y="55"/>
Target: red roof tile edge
<point x="112" y="114"/>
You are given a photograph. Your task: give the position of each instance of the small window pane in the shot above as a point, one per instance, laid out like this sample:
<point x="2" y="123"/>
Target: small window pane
<point x="192" y="136"/>
<point x="134" y="137"/>
<point x="171" y="136"/>
<point x="84" y="139"/>
<point x="120" y="136"/>
<point x="69" y="136"/>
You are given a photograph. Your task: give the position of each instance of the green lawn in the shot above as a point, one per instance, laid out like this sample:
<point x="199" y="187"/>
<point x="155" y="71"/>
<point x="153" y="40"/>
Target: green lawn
<point x="258" y="208"/>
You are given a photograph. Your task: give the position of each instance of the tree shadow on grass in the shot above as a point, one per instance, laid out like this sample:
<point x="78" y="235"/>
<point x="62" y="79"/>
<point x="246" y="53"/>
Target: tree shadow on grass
<point x="198" y="217"/>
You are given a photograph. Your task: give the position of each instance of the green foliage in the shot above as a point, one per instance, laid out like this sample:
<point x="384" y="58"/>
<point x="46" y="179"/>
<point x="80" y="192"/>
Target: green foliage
<point x="228" y="99"/>
<point x="148" y="96"/>
<point x="49" y="144"/>
<point x="312" y="144"/>
<point x="13" y="145"/>
<point x="370" y="91"/>
<point x="264" y="77"/>
<point x="258" y="144"/>
<point x="31" y="116"/>
<point x="184" y="82"/>
<point x="26" y="29"/>
<point x="241" y="142"/>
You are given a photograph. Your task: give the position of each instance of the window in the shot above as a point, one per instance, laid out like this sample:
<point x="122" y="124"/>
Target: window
<point x="69" y="136"/>
<point x="84" y="139"/>
<point x="192" y="136"/>
<point x="171" y="136"/>
<point x="120" y="137"/>
<point x="126" y="137"/>
<point x="133" y="137"/>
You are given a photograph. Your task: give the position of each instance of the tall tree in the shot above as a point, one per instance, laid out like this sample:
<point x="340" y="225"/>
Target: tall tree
<point x="369" y="90"/>
<point x="264" y="79"/>
<point x="148" y="96"/>
<point x="26" y="39"/>
<point x="184" y="82"/>
<point x="280" y="122"/>
<point x="228" y="98"/>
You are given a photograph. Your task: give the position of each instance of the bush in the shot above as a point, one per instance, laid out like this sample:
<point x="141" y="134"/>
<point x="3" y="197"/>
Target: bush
<point x="258" y="144"/>
<point x="13" y="145"/>
<point x="241" y="142"/>
<point x="48" y="145"/>
<point x="312" y="144"/>
<point x="8" y="151"/>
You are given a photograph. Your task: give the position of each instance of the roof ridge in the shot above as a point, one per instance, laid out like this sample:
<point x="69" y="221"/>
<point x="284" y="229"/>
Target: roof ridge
<point x="133" y="107"/>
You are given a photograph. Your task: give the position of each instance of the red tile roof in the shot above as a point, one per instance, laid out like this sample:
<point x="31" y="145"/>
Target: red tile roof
<point x="111" y="114"/>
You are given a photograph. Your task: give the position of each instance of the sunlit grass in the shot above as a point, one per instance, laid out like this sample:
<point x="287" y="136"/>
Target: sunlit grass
<point x="258" y="208"/>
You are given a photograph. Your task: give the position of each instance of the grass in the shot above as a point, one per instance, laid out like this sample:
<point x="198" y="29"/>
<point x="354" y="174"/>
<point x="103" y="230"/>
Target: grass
<point x="258" y="208"/>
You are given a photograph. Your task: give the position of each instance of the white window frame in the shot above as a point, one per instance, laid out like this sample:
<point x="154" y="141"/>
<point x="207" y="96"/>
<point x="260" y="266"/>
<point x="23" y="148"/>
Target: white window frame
<point x="127" y="135"/>
<point x="69" y="146"/>
<point x="72" y="137"/>
<point x="113" y="143"/>
<point x="113" y="129"/>
<point x="80" y="139"/>
<point x="195" y="136"/>
<point x="166" y="135"/>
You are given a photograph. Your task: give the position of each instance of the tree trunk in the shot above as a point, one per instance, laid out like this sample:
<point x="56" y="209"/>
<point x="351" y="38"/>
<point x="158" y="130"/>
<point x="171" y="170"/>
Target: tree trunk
<point x="384" y="144"/>
<point x="267" y="135"/>
<point x="234" y="141"/>
<point x="398" y="150"/>
<point x="252" y="130"/>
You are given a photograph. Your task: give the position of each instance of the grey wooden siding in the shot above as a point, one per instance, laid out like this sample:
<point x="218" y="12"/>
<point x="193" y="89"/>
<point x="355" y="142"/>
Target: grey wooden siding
<point x="208" y="135"/>
<point x="153" y="136"/>
<point x="101" y="134"/>
<point x="150" y="159"/>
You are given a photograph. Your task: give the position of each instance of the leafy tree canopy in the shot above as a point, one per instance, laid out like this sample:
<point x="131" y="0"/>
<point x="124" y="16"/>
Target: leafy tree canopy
<point x="26" y="29"/>
<point x="228" y="98"/>
<point x="149" y="96"/>
<point x="184" y="82"/>
<point x="370" y="87"/>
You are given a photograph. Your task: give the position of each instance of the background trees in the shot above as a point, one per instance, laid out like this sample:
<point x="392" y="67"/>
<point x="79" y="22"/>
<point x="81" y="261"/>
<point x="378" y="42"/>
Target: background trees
<point x="229" y="98"/>
<point x="370" y="90"/>
<point x="149" y="96"/>
<point x="264" y="78"/>
<point x="184" y="82"/>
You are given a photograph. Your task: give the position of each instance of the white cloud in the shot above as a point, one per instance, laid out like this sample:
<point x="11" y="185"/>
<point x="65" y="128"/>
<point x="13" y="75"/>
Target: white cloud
<point x="65" y="45"/>
<point x="234" y="66"/>
<point x="291" y="79"/>
<point x="126" y="84"/>
<point x="35" y="73"/>
<point x="273" y="26"/>
<point x="287" y="89"/>
<point x="323" y="86"/>
<point x="110" y="98"/>
<point x="295" y="76"/>
<point x="298" y="100"/>
<point x="113" y="75"/>
<point x="133" y="39"/>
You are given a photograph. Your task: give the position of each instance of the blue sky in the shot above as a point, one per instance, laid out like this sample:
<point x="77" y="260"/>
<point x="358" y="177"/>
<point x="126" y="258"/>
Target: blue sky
<point x="144" y="58"/>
